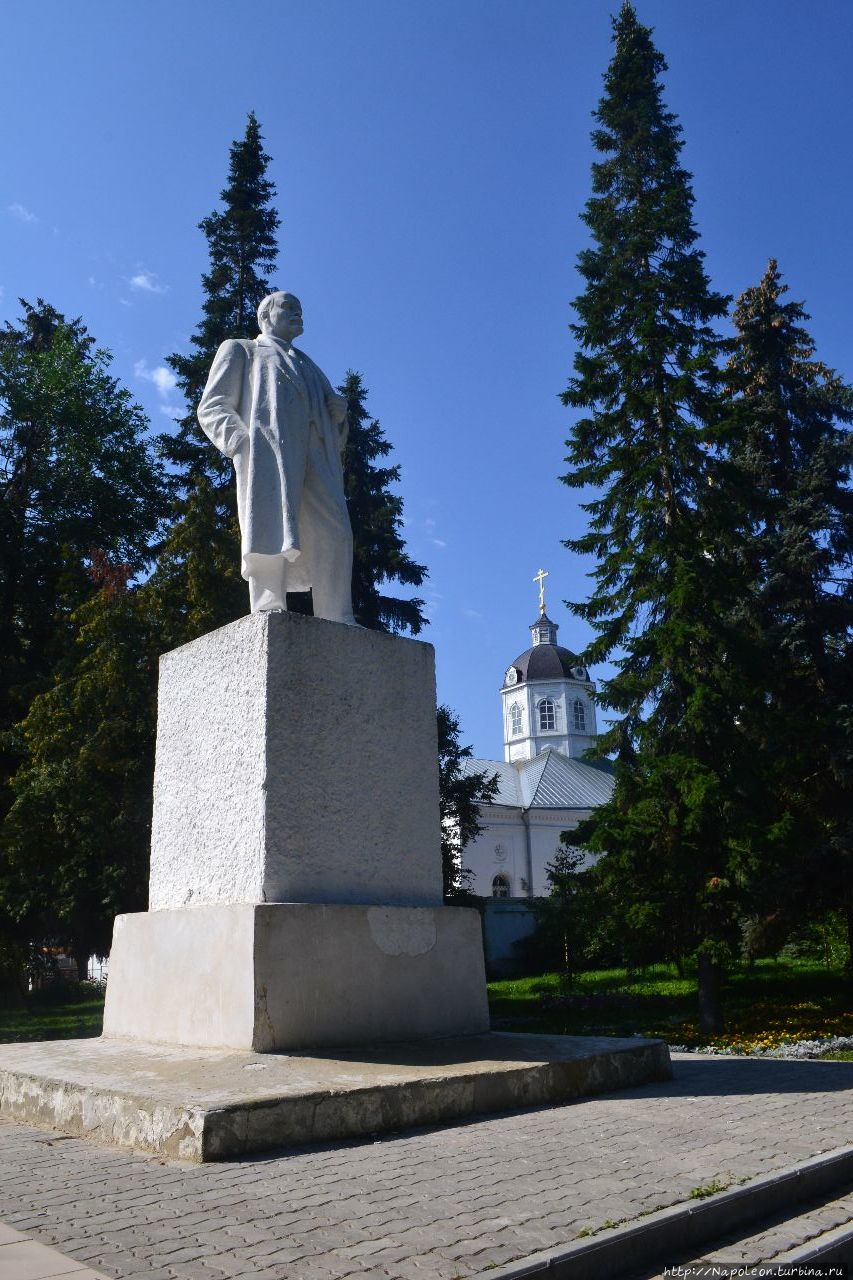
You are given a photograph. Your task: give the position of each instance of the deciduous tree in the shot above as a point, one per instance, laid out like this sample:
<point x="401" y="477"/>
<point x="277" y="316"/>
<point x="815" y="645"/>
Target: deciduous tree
<point x="80" y="485"/>
<point x="76" y="471"/>
<point x="75" y="842"/>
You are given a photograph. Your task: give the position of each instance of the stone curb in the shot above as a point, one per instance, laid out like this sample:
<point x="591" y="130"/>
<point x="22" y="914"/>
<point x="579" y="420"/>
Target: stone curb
<point x="683" y="1226"/>
<point x="833" y="1249"/>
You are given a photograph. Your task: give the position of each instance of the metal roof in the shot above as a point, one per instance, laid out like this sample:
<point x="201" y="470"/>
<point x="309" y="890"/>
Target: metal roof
<point x="529" y="778"/>
<point x="508" y="786"/>
<point x="548" y="781"/>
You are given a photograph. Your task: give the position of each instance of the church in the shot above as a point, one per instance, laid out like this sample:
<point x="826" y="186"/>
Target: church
<point x="544" y="785"/>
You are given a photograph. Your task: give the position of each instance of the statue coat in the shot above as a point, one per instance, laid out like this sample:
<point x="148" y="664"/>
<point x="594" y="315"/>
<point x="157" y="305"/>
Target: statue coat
<point x="274" y="413"/>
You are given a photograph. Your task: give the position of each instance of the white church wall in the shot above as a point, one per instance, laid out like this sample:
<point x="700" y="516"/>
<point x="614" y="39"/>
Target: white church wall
<point x="501" y="849"/>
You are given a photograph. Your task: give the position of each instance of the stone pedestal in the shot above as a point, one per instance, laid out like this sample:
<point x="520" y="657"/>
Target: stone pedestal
<point x="295" y="976"/>
<point x="295" y="858"/>
<point x="296" y="762"/>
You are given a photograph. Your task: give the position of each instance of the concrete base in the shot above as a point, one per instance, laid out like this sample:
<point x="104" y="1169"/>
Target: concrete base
<point x="295" y="976"/>
<point x="210" y="1105"/>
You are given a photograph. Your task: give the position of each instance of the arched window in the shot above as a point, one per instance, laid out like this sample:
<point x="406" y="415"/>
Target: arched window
<point x="500" y="887"/>
<point x="579" y="715"/>
<point x="515" y="719"/>
<point x="547" y="715"/>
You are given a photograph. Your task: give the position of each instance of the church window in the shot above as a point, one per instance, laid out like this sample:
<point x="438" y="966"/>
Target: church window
<point x="500" y="887"/>
<point x="547" y="715"/>
<point x="580" y="715"/>
<point x="515" y="719"/>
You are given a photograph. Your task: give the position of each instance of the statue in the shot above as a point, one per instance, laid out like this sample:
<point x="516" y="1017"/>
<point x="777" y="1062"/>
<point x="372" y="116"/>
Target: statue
<point x="270" y="409"/>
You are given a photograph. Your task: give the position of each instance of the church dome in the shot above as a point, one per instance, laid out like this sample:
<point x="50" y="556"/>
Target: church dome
<point x="546" y="660"/>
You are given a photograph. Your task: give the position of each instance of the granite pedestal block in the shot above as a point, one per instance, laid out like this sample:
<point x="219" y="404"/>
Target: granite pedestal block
<point x="288" y="977"/>
<point x="296" y="762"/>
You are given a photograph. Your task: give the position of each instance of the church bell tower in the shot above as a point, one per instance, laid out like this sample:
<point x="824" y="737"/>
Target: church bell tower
<point x="547" y="695"/>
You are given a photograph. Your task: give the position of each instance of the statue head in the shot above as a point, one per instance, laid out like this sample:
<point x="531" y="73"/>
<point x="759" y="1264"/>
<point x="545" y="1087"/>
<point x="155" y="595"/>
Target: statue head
<point x="280" y="314"/>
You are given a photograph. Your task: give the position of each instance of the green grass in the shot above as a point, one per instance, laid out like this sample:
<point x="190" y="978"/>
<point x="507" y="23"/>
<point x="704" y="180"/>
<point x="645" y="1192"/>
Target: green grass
<point x="56" y="1013"/>
<point x="763" y="1006"/>
<point x="712" y="1188"/>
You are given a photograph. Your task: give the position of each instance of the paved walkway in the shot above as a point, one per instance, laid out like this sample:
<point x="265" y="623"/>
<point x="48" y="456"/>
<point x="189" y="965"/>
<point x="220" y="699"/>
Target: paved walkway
<point x="425" y="1205"/>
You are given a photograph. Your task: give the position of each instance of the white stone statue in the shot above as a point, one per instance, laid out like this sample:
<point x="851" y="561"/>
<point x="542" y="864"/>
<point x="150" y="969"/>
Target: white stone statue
<point x="270" y="409"/>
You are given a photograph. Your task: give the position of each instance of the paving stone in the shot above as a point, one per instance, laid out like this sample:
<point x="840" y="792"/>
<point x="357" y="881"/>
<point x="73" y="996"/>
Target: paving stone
<point x="501" y="1188"/>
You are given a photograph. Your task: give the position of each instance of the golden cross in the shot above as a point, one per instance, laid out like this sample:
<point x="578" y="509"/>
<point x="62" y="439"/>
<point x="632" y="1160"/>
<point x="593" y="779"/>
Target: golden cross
<point x="540" y="578"/>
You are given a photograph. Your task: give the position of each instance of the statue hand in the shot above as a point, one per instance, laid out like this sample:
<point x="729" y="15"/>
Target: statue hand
<point x="337" y="407"/>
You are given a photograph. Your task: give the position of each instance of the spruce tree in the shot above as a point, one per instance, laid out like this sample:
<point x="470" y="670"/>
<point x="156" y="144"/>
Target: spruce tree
<point x="376" y="515"/>
<point x="646" y="380"/>
<point x="197" y="584"/>
<point x="791" y="453"/>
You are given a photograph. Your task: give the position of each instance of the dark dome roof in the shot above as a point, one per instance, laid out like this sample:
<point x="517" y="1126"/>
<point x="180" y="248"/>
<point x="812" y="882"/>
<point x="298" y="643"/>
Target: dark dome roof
<point x="549" y="662"/>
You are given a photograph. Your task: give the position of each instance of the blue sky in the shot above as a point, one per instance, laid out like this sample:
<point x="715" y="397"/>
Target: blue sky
<point x="431" y="162"/>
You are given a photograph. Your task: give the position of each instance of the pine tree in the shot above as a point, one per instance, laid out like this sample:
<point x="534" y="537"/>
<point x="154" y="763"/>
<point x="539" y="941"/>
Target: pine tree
<point x="646" y="377"/>
<point x="197" y="584"/>
<point x="376" y="515"/>
<point x="791" y="456"/>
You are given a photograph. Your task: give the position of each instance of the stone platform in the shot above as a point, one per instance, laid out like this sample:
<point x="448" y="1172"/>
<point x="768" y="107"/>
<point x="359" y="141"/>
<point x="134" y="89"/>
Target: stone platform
<point x="211" y="1105"/>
